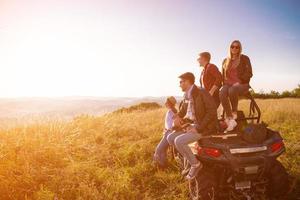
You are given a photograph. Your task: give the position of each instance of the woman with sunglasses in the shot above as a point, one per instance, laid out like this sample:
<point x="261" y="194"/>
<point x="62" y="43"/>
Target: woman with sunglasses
<point x="236" y="71"/>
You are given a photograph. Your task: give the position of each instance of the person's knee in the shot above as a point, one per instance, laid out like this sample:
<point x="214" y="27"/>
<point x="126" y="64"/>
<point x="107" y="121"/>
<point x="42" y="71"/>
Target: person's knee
<point x="170" y="139"/>
<point x="178" y="142"/>
<point x="233" y="91"/>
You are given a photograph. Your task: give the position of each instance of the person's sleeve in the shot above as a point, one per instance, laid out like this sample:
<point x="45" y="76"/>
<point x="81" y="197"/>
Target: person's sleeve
<point x="223" y="71"/>
<point x="210" y="111"/>
<point x="169" y="120"/>
<point x="182" y="110"/>
<point x="248" y="70"/>
<point x="214" y="71"/>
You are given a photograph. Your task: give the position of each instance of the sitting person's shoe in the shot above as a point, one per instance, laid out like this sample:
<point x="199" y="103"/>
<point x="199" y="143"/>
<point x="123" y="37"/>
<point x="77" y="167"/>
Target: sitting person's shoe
<point x="194" y="171"/>
<point x="186" y="170"/>
<point x="186" y="166"/>
<point x="231" y="125"/>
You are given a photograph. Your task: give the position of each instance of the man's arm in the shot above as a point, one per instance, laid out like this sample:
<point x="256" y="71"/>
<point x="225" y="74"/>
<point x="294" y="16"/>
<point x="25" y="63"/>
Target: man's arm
<point x="182" y="109"/>
<point x="218" y="79"/>
<point x="223" y="71"/>
<point x="180" y="115"/>
<point x="210" y="109"/>
<point x="214" y="71"/>
<point x="248" y="70"/>
<point x="212" y="90"/>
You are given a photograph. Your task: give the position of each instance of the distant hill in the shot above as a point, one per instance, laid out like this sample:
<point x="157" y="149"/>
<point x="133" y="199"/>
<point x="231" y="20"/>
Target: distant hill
<point x="17" y="111"/>
<point x="140" y="107"/>
<point x="65" y="107"/>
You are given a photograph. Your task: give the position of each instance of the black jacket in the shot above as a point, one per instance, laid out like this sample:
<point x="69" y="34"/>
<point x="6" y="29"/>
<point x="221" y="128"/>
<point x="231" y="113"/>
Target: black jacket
<point x="205" y="111"/>
<point x="244" y="70"/>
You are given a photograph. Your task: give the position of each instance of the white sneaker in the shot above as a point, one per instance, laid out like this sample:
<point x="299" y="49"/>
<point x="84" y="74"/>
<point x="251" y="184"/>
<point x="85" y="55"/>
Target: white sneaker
<point x="231" y="125"/>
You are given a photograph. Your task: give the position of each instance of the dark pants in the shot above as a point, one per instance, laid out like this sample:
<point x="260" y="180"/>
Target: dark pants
<point x="216" y="97"/>
<point x="229" y="96"/>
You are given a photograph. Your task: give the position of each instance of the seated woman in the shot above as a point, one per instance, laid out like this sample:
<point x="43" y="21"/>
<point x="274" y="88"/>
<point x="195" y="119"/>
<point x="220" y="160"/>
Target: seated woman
<point x="236" y="71"/>
<point x="160" y="155"/>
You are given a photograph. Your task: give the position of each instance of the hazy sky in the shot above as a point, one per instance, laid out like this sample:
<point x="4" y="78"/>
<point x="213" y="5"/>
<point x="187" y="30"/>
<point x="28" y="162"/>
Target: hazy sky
<point x="138" y="48"/>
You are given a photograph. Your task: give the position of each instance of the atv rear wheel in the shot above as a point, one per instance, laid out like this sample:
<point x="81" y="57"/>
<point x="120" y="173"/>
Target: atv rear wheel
<point x="203" y="187"/>
<point x="279" y="183"/>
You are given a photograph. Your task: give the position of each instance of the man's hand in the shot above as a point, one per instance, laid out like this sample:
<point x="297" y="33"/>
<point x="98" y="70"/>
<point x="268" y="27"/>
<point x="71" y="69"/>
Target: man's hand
<point x="191" y="129"/>
<point x="236" y="84"/>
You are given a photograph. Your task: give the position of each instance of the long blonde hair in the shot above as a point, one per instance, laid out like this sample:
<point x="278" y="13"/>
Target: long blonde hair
<point x="229" y="57"/>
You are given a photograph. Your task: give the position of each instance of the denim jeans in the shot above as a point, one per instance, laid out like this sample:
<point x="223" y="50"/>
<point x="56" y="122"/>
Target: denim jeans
<point x="181" y="141"/>
<point x="160" y="154"/>
<point x="230" y="95"/>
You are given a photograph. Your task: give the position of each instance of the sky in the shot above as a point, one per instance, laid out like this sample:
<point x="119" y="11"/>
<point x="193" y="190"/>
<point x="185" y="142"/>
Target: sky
<point x="138" y="48"/>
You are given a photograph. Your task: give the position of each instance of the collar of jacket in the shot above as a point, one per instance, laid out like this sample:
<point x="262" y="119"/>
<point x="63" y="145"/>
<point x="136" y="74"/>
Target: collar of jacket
<point x="195" y="91"/>
<point x="188" y="94"/>
<point x="206" y="65"/>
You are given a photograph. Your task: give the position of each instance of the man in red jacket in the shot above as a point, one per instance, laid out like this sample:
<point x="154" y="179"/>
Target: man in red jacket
<point x="211" y="77"/>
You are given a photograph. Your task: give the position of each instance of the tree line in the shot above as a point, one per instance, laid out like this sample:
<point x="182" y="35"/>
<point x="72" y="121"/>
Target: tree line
<point x="295" y="93"/>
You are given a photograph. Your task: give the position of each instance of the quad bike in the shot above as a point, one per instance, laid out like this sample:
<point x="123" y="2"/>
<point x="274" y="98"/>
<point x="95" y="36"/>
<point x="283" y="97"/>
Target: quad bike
<point x="236" y="169"/>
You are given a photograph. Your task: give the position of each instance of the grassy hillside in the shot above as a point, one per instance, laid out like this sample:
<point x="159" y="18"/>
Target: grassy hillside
<point x="109" y="157"/>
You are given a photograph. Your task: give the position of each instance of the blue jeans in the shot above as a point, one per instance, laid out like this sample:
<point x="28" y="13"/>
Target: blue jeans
<point x="160" y="154"/>
<point x="181" y="141"/>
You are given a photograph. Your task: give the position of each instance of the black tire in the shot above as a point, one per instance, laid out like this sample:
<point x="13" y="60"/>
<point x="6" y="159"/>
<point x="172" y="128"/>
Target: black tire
<point x="278" y="185"/>
<point x="203" y="187"/>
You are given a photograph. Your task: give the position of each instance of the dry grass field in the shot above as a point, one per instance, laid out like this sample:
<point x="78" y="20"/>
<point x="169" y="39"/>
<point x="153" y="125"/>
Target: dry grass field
<point x="109" y="157"/>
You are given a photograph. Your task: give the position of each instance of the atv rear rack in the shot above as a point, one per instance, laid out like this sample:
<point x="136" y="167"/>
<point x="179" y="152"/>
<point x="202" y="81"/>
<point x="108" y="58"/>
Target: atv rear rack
<point x="254" y="110"/>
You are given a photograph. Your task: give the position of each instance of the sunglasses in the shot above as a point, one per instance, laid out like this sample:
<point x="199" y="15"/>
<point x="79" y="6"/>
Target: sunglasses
<point x="234" y="47"/>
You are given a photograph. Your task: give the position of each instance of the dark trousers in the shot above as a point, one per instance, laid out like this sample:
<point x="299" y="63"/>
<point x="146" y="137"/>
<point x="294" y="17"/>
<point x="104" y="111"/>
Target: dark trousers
<point x="229" y="96"/>
<point x="216" y="97"/>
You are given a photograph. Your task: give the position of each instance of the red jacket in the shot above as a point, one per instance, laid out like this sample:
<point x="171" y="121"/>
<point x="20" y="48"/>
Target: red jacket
<point x="210" y="76"/>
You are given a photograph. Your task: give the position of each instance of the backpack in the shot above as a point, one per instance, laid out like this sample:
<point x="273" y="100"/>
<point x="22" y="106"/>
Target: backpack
<point x="255" y="133"/>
